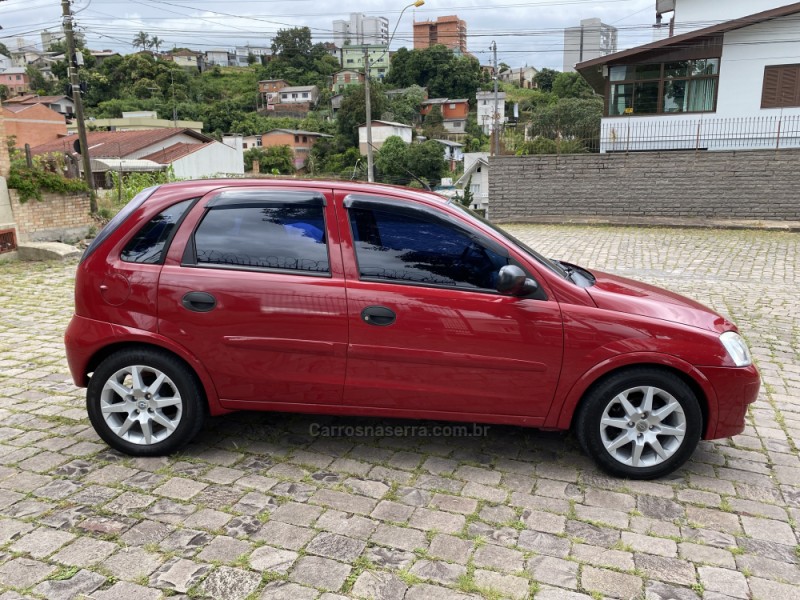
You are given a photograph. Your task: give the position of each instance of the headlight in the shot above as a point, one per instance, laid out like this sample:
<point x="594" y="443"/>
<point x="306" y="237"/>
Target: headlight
<point x="737" y="348"/>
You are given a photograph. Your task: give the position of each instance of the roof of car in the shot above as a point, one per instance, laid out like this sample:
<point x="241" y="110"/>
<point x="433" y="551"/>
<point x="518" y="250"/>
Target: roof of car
<point x="204" y="186"/>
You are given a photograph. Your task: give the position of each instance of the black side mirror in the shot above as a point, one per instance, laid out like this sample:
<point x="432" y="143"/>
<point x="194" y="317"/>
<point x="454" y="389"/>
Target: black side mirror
<point x="512" y="281"/>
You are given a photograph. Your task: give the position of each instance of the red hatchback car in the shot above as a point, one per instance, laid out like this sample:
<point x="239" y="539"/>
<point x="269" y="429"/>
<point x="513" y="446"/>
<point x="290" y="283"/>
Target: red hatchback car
<point x="207" y="297"/>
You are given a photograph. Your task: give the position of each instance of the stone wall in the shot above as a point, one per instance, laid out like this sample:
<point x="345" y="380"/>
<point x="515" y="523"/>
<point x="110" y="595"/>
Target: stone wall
<point x="55" y="218"/>
<point x="650" y="187"/>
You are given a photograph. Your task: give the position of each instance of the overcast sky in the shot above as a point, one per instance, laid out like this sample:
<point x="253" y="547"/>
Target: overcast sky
<point x="527" y="32"/>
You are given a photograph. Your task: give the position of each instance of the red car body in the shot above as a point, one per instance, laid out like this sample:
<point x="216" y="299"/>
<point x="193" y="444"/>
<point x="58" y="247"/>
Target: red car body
<point x="286" y="342"/>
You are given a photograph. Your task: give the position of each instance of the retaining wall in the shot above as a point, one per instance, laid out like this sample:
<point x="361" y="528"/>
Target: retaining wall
<point x="642" y="187"/>
<point x="55" y="218"/>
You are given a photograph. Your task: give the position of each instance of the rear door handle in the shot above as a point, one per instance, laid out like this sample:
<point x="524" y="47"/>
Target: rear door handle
<point x="378" y="315"/>
<point x="199" y="301"/>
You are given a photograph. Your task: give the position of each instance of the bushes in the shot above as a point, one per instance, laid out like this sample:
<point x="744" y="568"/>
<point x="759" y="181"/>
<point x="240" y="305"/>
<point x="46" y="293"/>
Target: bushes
<point x="44" y="175"/>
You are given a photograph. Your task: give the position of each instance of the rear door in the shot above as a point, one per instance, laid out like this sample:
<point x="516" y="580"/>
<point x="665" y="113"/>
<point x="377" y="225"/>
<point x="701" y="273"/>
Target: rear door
<point x="253" y="287"/>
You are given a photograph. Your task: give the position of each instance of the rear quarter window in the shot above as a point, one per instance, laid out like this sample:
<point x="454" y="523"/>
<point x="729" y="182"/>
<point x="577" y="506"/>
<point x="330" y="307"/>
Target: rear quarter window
<point x="150" y="242"/>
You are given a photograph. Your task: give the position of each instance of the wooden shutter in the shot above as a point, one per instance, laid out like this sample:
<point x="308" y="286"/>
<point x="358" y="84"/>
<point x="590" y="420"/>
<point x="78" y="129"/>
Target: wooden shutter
<point x="781" y="86"/>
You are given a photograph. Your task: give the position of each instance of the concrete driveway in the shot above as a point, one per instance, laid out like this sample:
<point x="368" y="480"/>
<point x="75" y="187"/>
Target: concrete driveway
<point x="259" y="507"/>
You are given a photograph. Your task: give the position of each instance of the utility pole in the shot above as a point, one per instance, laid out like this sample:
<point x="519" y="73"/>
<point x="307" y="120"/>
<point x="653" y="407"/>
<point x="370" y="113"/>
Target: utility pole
<point x="368" y="106"/>
<point x="72" y="69"/>
<point x="496" y="116"/>
<point x="175" y="106"/>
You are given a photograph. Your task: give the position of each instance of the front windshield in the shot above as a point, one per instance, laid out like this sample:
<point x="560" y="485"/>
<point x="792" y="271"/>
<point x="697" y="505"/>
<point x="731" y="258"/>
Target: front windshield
<point x="522" y="246"/>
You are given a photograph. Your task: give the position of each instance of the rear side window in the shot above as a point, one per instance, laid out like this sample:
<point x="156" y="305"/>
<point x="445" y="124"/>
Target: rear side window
<point x="150" y="242"/>
<point x="288" y="237"/>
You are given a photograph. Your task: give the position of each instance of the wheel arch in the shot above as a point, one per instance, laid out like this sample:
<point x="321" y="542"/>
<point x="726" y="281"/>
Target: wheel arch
<point x="696" y="381"/>
<point x="203" y="378"/>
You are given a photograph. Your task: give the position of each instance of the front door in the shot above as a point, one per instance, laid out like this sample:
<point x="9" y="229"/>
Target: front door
<point x="428" y="332"/>
<point x="253" y="287"/>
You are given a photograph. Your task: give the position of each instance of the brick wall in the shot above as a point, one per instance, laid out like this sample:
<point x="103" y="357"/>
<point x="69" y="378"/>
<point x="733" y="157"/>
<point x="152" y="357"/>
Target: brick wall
<point x="653" y="186"/>
<point x="54" y="218"/>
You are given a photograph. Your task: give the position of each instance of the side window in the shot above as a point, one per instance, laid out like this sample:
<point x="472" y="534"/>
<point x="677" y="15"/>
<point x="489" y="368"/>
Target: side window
<point x="421" y="249"/>
<point x="149" y="243"/>
<point x="284" y="237"/>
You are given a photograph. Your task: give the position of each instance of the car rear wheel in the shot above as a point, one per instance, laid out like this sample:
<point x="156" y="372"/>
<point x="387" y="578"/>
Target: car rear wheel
<point x="145" y="402"/>
<point x="642" y="423"/>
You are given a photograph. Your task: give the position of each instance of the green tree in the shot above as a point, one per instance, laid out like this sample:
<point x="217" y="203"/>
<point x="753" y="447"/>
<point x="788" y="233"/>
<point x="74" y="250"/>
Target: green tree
<point x="404" y="108"/>
<point x="4" y="50"/>
<point x="544" y="79"/>
<point x="293" y="46"/>
<point x="434" y="123"/>
<point x="274" y="159"/>
<point x="38" y="83"/>
<point x="570" y="119"/>
<point x="391" y="161"/>
<point x="437" y="68"/>
<point x="353" y="112"/>
<point x="401" y="163"/>
<point x="334" y="156"/>
<point x="571" y="85"/>
<point x="141" y="40"/>
<point x="426" y="161"/>
<point x="155" y="42"/>
<point x="4" y="93"/>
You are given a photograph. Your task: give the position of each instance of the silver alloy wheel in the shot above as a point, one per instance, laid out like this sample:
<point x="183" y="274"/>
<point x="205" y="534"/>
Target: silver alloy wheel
<point x="643" y="426"/>
<point x="141" y="405"/>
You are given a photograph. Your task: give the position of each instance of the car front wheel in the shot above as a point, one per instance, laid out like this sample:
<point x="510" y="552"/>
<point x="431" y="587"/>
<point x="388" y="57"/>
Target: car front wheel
<point x="145" y="402"/>
<point x="642" y="423"/>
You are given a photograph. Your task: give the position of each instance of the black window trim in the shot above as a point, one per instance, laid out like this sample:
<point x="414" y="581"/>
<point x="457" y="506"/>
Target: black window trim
<point x="302" y="198"/>
<point x="167" y="242"/>
<point x="402" y="207"/>
<point x="244" y="197"/>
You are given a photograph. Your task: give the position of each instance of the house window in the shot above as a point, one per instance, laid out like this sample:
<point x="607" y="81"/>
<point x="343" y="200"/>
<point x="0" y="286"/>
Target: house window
<point x="294" y="96"/>
<point x="305" y="94"/>
<point x="452" y="106"/>
<point x="781" y="86"/>
<point x="682" y="86"/>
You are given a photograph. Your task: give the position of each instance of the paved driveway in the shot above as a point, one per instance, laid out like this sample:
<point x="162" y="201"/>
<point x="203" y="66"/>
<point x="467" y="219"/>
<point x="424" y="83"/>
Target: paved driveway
<point x="260" y="508"/>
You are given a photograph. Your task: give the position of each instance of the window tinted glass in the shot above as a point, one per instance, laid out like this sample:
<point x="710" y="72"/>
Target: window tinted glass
<point x="274" y="237"/>
<point x="118" y="220"/>
<point x="147" y="246"/>
<point x="400" y="247"/>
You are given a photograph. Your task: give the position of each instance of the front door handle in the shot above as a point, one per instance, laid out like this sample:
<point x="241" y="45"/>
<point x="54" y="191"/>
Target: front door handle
<point x="199" y="301"/>
<point x="378" y="315"/>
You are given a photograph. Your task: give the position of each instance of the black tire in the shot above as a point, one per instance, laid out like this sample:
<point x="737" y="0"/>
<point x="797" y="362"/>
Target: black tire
<point x="602" y="402"/>
<point x="188" y="403"/>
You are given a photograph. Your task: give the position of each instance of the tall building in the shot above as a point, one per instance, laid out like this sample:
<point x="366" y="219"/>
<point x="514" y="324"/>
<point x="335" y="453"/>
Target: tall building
<point x="361" y="30"/>
<point x="449" y="31"/>
<point x="592" y="39"/>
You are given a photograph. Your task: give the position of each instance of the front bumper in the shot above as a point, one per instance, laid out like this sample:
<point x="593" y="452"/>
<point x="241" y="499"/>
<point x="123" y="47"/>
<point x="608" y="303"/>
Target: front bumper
<point x="736" y="388"/>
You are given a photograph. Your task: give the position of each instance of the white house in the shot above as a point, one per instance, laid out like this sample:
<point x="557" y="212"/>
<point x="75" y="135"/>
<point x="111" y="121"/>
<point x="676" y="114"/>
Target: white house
<point x="519" y="76"/>
<point x="734" y="83"/>
<point x="476" y="175"/>
<point x="485" y="105"/>
<point x="299" y="94"/>
<point x="221" y="58"/>
<point x="453" y="151"/>
<point x="381" y="131"/>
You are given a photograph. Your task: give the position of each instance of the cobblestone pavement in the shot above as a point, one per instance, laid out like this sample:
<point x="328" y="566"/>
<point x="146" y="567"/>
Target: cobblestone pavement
<point x="259" y="508"/>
